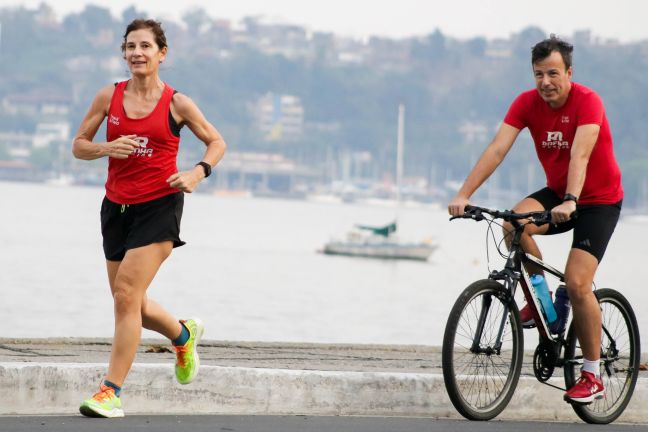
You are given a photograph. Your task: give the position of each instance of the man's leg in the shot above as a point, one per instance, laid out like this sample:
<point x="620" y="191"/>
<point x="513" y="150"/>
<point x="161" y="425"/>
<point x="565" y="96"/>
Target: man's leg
<point x="579" y="276"/>
<point x="529" y="245"/>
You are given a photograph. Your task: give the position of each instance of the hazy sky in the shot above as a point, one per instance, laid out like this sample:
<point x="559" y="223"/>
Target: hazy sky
<point x="621" y="19"/>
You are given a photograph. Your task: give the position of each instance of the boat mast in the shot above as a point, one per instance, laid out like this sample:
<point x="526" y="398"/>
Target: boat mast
<point x="399" y="154"/>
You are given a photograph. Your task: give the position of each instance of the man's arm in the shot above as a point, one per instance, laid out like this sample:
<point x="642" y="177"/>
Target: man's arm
<point x="485" y="166"/>
<point x="584" y="142"/>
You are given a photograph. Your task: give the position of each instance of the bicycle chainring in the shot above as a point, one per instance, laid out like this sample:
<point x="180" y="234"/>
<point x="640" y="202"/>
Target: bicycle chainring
<point x="544" y="361"/>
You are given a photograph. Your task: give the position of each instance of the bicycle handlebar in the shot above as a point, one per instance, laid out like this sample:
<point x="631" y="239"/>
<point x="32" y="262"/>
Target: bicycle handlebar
<point x="477" y="213"/>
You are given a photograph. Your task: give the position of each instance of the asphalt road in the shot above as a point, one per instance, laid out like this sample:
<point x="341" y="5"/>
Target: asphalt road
<point x="200" y="423"/>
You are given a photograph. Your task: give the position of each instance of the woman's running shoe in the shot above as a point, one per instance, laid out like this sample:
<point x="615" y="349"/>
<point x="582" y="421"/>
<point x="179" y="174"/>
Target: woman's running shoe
<point x="103" y="404"/>
<point x="187" y="360"/>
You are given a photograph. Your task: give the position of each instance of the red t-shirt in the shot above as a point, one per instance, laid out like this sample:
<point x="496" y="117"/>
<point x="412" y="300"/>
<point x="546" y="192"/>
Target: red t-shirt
<point x="142" y="176"/>
<point x="553" y="132"/>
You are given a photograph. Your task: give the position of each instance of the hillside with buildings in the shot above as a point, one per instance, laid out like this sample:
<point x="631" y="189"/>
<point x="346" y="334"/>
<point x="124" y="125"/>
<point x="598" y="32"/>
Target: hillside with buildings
<point x="307" y="112"/>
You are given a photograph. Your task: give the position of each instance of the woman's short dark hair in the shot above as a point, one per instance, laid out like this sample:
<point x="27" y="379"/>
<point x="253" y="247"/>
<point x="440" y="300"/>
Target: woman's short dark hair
<point x="543" y="49"/>
<point x="154" y="26"/>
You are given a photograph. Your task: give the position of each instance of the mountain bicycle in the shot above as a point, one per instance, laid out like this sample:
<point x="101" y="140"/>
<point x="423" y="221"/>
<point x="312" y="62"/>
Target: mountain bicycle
<point x="483" y="343"/>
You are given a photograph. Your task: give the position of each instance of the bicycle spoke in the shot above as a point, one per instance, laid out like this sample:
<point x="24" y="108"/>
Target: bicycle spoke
<point x="619" y="359"/>
<point x="482" y="377"/>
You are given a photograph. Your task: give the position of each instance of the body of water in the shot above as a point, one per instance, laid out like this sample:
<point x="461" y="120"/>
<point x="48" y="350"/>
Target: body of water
<point x="251" y="270"/>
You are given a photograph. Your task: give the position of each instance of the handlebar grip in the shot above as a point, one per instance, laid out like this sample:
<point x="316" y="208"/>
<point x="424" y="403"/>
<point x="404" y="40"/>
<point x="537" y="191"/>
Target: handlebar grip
<point x="467" y="214"/>
<point x="467" y="209"/>
<point x="544" y="219"/>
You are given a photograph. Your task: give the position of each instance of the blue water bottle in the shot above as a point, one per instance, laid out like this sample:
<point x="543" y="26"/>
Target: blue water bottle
<point x="542" y="291"/>
<point x="562" y="306"/>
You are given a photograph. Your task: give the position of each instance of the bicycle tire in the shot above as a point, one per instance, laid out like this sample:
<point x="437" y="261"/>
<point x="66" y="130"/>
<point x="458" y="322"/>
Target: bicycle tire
<point x="620" y="371"/>
<point x="480" y="385"/>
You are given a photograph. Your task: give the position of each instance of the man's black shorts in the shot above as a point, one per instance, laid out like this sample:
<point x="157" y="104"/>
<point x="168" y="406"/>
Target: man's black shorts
<point x="127" y="227"/>
<point x="593" y="226"/>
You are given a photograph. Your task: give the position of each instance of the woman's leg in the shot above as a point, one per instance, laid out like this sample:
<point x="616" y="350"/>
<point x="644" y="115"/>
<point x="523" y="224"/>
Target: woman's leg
<point x="158" y="319"/>
<point x="131" y="279"/>
<point x="154" y="316"/>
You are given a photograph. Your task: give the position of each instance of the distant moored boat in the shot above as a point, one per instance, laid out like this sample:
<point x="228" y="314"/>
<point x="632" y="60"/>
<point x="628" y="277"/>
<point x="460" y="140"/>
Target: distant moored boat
<point x="382" y="242"/>
<point x="379" y="242"/>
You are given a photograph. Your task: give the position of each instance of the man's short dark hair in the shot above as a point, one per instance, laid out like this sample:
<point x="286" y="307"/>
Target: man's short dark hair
<point x="543" y="49"/>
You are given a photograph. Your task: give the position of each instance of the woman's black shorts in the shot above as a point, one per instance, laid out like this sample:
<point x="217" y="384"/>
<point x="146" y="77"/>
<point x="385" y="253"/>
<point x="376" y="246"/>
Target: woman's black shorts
<point x="593" y="226"/>
<point x="127" y="227"/>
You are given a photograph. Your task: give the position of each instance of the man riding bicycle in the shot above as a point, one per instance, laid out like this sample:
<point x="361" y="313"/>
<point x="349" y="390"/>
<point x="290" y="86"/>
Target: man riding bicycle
<point x="573" y="142"/>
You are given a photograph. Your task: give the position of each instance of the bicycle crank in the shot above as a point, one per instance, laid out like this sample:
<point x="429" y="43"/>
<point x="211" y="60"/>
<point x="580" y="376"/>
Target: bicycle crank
<point x="544" y="361"/>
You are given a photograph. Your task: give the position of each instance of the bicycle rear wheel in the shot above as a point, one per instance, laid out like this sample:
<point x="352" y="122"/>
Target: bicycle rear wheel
<point x="480" y="369"/>
<point x="620" y="358"/>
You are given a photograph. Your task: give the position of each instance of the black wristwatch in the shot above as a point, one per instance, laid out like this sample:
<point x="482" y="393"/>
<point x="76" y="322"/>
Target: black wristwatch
<point x="570" y="197"/>
<point x="206" y="168"/>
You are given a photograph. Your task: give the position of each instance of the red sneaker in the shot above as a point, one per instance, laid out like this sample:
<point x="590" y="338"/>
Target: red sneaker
<point x="527" y="317"/>
<point x="586" y="389"/>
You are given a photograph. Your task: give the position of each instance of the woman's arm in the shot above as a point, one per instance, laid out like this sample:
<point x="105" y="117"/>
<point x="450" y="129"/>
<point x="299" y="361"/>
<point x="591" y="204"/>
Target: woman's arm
<point x="189" y="113"/>
<point x="84" y="148"/>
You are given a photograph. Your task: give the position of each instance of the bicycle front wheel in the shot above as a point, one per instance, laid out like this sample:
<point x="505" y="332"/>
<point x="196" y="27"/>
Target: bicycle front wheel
<point x="620" y="358"/>
<point x="482" y="350"/>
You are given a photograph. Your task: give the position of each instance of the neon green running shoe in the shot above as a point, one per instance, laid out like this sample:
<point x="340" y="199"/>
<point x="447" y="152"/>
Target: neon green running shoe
<point x="103" y="404"/>
<point x="187" y="360"/>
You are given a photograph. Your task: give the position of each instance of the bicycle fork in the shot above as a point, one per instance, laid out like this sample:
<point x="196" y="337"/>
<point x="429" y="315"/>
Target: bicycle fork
<point x="476" y="347"/>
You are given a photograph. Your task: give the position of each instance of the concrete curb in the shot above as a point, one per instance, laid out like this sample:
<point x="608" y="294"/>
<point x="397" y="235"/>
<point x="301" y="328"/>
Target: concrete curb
<point x="58" y="388"/>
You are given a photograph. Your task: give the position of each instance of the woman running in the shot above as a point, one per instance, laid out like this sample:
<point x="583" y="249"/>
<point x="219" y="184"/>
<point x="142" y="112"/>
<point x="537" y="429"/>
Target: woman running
<point x="142" y="209"/>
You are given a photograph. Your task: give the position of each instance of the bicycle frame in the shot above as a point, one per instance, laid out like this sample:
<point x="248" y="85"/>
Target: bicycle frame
<point x="514" y="273"/>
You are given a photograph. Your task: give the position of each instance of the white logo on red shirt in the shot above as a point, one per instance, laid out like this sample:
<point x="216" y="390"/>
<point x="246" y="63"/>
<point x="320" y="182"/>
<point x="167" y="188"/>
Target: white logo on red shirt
<point x="142" y="141"/>
<point x="555" y="141"/>
<point x="114" y="120"/>
<point x="564" y="119"/>
<point x="142" y="150"/>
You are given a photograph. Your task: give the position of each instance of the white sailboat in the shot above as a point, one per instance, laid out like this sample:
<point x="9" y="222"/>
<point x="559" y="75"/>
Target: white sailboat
<point x="382" y="241"/>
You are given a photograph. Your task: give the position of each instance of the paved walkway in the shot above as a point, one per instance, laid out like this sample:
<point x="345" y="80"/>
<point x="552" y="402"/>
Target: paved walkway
<point x="52" y="376"/>
<point x="296" y="356"/>
<point x="203" y="423"/>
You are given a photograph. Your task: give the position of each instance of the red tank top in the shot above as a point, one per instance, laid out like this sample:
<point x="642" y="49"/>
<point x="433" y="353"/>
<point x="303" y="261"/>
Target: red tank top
<point x="142" y="176"/>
